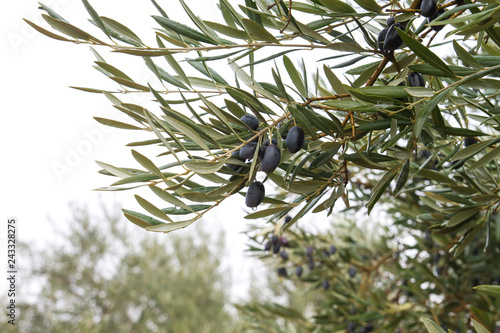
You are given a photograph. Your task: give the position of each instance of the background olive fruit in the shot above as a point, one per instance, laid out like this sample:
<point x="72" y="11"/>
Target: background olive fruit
<point x="469" y="141"/>
<point x="325" y="284"/>
<point x="288" y="218"/>
<point x="248" y="150"/>
<point x="299" y="270"/>
<point x="295" y="139"/>
<point x="282" y="272"/>
<point x="433" y="17"/>
<point x="284" y="255"/>
<point x="251" y="121"/>
<point x="392" y="40"/>
<point x="235" y="154"/>
<point x="381" y="39"/>
<point x="352" y="271"/>
<point x="270" y="159"/>
<point x="255" y="194"/>
<point x="428" y="8"/>
<point x="416" y="80"/>
<point x="333" y="249"/>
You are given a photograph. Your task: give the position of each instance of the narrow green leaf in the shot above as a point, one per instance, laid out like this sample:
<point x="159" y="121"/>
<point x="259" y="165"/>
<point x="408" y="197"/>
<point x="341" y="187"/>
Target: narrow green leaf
<point x="207" y="71"/>
<point x="228" y="31"/>
<point x="295" y="76"/>
<point x="114" y="170"/>
<point x="183" y="30"/>
<point x="117" y="124"/>
<point x="431" y="326"/>
<point x="257" y="32"/>
<point x="483" y="161"/>
<point x="140" y="219"/>
<point x="403" y="177"/>
<point x="120" y="29"/>
<point x="479" y="328"/>
<point x="473" y="149"/>
<point x="95" y="16"/>
<point x="152" y="209"/>
<point x="46" y="32"/>
<point x="381" y="186"/>
<point x="338" y="6"/>
<point x="465" y="56"/>
<point x="267" y="212"/>
<point x="146" y="163"/>
<point x="369" y="5"/>
<point x="188" y="132"/>
<point x="458" y="131"/>
<point x="113" y="70"/>
<point x="168" y="227"/>
<point x="129" y="83"/>
<point x="205" y="167"/>
<point x="336" y="84"/>
<point x="489" y="290"/>
<point x="424" y="52"/>
<point x="345" y="47"/>
<point x="462" y="216"/>
<point x="199" y="23"/>
<point x="69" y="29"/>
<point x="169" y="198"/>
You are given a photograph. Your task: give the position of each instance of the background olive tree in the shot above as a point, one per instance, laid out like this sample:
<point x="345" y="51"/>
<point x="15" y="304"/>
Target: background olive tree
<point x="398" y="102"/>
<point x="100" y="277"/>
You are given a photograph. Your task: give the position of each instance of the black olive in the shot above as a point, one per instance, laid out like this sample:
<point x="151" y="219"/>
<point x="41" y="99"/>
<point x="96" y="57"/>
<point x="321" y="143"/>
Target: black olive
<point x="267" y="246"/>
<point x="392" y="40"/>
<point x="470" y="141"/>
<point x="284" y="241"/>
<point x="352" y="271"/>
<point x="255" y="194"/>
<point x="270" y="159"/>
<point x="284" y="255"/>
<point x="282" y="272"/>
<point x="251" y="121"/>
<point x="390" y="21"/>
<point x="325" y="284"/>
<point x="428" y="8"/>
<point x="288" y="218"/>
<point x="416" y="80"/>
<point x="299" y="270"/>
<point x="235" y="154"/>
<point x="295" y="139"/>
<point x="333" y="249"/>
<point x="248" y="150"/>
<point x="381" y="39"/>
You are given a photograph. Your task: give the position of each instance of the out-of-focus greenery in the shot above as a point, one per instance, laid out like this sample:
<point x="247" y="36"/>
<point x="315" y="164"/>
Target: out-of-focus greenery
<point x="98" y="277"/>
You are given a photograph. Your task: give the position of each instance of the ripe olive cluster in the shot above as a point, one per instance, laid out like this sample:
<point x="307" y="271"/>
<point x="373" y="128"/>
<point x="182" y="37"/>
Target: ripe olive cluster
<point x="429" y="9"/>
<point x="269" y="156"/>
<point x="388" y="38"/>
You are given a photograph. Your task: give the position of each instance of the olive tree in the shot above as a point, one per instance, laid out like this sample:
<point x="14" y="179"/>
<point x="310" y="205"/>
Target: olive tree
<point x="367" y="103"/>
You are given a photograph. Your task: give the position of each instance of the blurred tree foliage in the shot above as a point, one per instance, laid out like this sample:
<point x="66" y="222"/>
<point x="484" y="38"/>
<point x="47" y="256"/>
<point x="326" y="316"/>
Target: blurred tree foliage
<point x="100" y="278"/>
<point x="380" y="276"/>
<point x="397" y="107"/>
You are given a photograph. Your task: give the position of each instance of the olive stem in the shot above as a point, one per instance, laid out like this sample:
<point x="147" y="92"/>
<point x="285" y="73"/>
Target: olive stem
<point x="314" y="99"/>
<point x="379" y="70"/>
